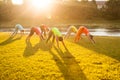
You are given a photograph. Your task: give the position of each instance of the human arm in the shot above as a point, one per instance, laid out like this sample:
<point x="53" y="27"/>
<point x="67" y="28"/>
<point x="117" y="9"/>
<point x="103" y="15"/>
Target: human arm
<point x="49" y="36"/>
<point x="91" y="38"/>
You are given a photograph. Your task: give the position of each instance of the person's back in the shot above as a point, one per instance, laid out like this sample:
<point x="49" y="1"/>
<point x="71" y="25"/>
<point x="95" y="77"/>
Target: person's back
<point x="70" y="30"/>
<point x="85" y="31"/>
<point x="82" y="29"/>
<point x="44" y="29"/>
<point x="37" y="30"/>
<point x="19" y="27"/>
<point x="56" y="32"/>
<point x="73" y="29"/>
<point x="56" y="36"/>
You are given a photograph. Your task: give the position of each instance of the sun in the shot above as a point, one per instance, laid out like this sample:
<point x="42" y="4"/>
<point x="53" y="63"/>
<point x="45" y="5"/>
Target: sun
<point x="17" y="2"/>
<point x="41" y="4"/>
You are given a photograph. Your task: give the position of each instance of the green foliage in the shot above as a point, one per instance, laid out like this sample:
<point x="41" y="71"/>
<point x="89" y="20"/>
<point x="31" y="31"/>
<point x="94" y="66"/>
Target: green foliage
<point x="85" y="10"/>
<point x="71" y="10"/>
<point x="5" y="13"/>
<point x="41" y="61"/>
<point x="112" y="9"/>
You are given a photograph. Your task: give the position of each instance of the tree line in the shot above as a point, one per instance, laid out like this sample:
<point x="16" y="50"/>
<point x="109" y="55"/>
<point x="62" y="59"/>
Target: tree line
<point x="76" y="10"/>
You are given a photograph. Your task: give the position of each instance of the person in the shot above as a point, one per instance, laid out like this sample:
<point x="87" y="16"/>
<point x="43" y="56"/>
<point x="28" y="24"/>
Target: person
<point x="56" y="35"/>
<point x="36" y="30"/>
<point x="70" y="30"/>
<point x="18" y="27"/>
<point x="44" y="29"/>
<point x="81" y="30"/>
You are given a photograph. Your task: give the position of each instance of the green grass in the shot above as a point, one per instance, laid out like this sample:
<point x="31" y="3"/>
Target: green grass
<point x="40" y="61"/>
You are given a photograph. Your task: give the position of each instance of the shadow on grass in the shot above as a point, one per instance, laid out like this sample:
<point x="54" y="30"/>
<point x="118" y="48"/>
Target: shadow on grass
<point x="45" y="46"/>
<point x="109" y="47"/>
<point x="31" y="50"/>
<point x="9" y="40"/>
<point x="69" y="67"/>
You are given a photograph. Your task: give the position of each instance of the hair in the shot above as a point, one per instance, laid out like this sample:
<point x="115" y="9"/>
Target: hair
<point x="60" y="38"/>
<point x="22" y="30"/>
<point x="47" y="29"/>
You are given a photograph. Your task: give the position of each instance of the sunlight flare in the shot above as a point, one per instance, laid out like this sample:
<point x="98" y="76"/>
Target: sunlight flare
<point x="17" y="2"/>
<point x="41" y="4"/>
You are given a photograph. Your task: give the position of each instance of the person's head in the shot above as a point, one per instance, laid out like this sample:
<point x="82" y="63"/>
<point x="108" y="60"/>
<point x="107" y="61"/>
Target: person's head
<point x="91" y="36"/>
<point x="22" y="31"/>
<point x="60" y="38"/>
<point x="47" y="29"/>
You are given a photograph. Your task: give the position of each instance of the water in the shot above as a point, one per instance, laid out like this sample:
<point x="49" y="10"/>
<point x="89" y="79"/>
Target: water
<point x="95" y="32"/>
<point x="105" y="32"/>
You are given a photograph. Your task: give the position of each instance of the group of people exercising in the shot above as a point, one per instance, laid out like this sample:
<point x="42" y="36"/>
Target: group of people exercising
<point x="44" y="32"/>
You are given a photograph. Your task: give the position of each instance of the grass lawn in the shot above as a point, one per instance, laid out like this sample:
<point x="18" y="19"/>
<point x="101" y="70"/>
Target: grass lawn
<point x="40" y="61"/>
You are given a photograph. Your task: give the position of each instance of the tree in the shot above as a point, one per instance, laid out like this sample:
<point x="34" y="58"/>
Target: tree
<point x="95" y="9"/>
<point x="90" y="9"/>
<point x="112" y="9"/>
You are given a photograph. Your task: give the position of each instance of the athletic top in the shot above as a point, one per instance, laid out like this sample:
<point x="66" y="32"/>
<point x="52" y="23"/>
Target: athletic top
<point x="82" y="29"/>
<point x="19" y="27"/>
<point x="56" y="32"/>
<point x="73" y="29"/>
<point x="44" y="27"/>
<point x="36" y="30"/>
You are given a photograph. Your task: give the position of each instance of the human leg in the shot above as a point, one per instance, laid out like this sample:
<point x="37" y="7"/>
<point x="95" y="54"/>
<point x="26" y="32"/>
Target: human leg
<point x="67" y="35"/>
<point x="14" y="33"/>
<point x="29" y="36"/>
<point x="49" y="36"/>
<point x="77" y="38"/>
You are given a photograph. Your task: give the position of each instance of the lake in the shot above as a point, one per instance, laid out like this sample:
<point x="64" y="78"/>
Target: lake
<point x="95" y="32"/>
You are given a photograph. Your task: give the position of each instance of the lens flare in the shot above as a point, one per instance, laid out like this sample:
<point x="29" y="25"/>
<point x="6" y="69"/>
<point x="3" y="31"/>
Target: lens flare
<point x="17" y="2"/>
<point x="41" y="4"/>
